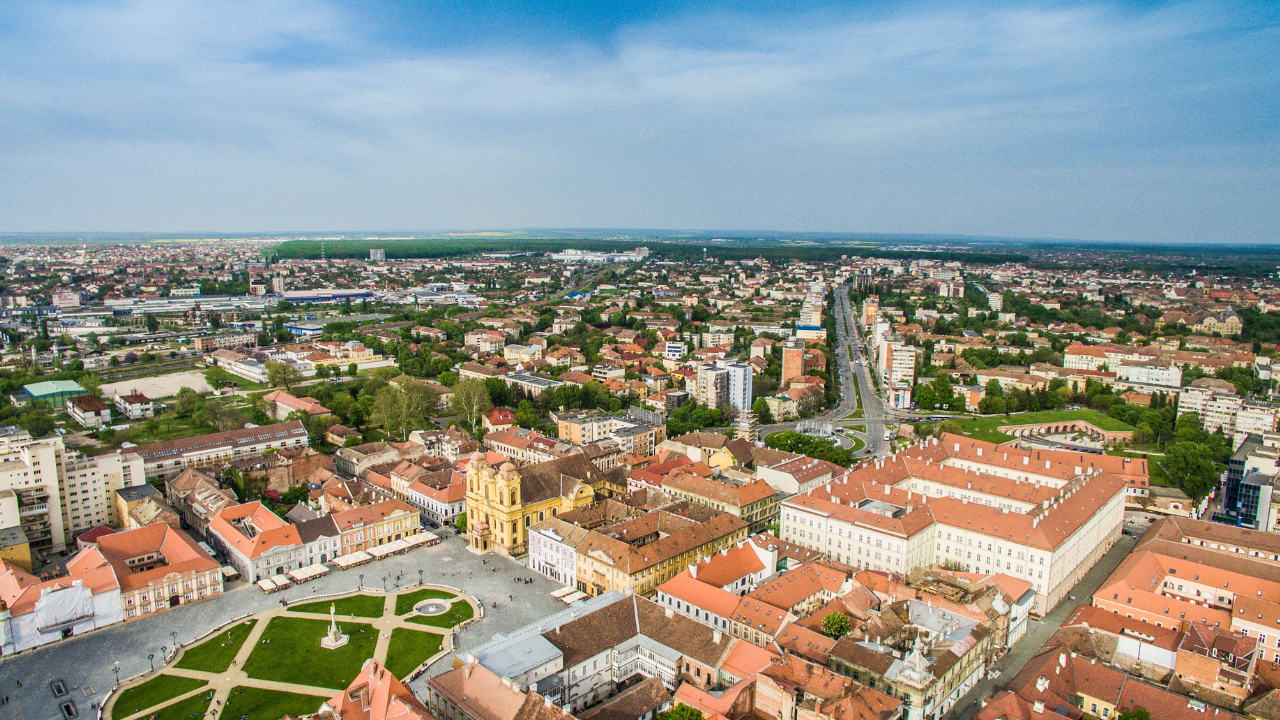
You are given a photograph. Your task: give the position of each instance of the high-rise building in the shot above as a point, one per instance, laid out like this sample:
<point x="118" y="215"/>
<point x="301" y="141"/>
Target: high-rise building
<point x="377" y="255"/>
<point x="713" y="386"/>
<point x="792" y="361"/>
<point x="52" y="494"/>
<point x="739" y="385"/>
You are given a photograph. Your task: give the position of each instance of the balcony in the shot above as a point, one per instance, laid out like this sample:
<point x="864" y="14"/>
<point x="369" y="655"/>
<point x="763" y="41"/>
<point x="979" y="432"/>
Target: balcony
<point x="27" y="510"/>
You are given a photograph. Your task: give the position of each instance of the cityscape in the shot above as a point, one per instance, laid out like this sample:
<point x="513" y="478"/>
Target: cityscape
<point x="274" y="477"/>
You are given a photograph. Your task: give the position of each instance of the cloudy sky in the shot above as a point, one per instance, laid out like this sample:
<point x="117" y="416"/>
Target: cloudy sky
<point x="1126" y="121"/>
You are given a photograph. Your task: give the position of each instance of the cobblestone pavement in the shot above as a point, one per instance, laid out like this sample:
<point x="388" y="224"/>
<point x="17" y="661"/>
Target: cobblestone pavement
<point x="1039" y="631"/>
<point x="87" y="664"/>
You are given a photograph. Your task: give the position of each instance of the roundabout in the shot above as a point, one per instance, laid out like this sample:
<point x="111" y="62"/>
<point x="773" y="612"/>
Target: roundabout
<point x="290" y="659"/>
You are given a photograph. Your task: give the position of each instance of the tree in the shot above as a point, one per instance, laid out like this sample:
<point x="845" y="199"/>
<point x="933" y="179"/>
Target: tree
<point x="1135" y="714"/>
<point x="1191" y="466"/>
<point x="282" y="373"/>
<point x="835" y="625"/>
<point x="92" y="385"/>
<point x="403" y="407"/>
<point x="761" y="409"/>
<point x="460" y="522"/>
<point x="681" y="712"/>
<point x="153" y="324"/>
<point x="187" y="403"/>
<point x="353" y="369"/>
<point x="471" y="400"/>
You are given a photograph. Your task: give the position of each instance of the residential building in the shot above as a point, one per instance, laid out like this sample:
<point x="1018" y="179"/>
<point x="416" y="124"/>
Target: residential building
<point x="156" y="567"/>
<point x="712" y="386"/>
<point x="166" y="459"/>
<point x="135" y="406"/>
<point x="792" y="361"/>
<point x="257" y="543"/>
<point x="377" y="524"/>
<point x="209" y="343"/>
<point x="755" y="502"/>
<point x="35" y="612"/>
<point x="89" y="412"/>
<point x="280" y="405"/>
<point x="375" y="694"/>
<point x="739" y="382"/>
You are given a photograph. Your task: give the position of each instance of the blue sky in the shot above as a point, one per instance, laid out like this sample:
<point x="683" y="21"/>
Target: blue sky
<point x="1121" y="121"/>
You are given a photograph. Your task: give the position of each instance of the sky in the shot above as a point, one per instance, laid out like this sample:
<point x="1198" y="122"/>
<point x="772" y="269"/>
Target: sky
<point x="1112" y="121"/>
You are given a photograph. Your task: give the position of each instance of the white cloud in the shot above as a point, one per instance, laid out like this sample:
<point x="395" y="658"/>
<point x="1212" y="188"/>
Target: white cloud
<point x="1067" y="121"/>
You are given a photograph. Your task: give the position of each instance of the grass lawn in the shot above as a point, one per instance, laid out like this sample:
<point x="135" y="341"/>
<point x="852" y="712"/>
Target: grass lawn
<point x="405" y="602"/>
<point x="857" y="443"/>
<point x="294" y="654"/>
<point x="358" y="605"/>
<point x="988" y="428"/>
<point x="153" y="692"/>
<point x="260" y="704"/>
<point x="409" y="649"/>
<point x="193" y="707"/>
<point x="459" y="613"/>
<point x="215" y="654"/>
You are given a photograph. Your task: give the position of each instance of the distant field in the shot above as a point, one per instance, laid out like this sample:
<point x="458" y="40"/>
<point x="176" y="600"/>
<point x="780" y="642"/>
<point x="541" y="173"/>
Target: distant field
<point x="988" y="428"/>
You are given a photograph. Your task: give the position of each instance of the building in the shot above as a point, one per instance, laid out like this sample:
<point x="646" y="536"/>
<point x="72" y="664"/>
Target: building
<point x="280" y="405"/>
<point x="377" y="255"/>
<point x="792" y="361"/>
<point x="89" y="412"/>
<point x="441" y="496"/>
<point x="913" y="650"/>
<point x="198" y="498"/>
<point x="485" y="341"/>
<point x="712" y="386"/>
<point x="209" y="343"/>
<point x="14" y="547"/>
<point x="164" y="460"/>
<point x="53" y="393"/>
<point x="52" y="494"/>
<point x="35" y="612"/>
<point x="256" y="542"/>
<point x="156" y="567"/>
<point x="739" y="385"/>
<point x="135" y="406"/>
<point x="1043" y="516"/>
<point x="755" y="502"/>
<point x="375" y="694"/>
<point x="472" y="692"/>
<point x="378" y="524"/>
<point x="503" y="504"/>
<point x="144" y="505"/>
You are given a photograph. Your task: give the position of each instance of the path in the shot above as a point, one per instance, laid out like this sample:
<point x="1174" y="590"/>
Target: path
<point x="224" y="683"/>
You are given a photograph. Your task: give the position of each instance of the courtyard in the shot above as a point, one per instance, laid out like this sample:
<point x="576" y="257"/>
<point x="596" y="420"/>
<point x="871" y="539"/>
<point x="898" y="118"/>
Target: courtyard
<point x="82" y="670"/>
<point x="273" y="663"/>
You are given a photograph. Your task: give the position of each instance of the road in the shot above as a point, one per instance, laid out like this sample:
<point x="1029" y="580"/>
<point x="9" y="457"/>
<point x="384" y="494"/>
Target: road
<point x="1039" y="631"/>
<point x="873" y="438"/>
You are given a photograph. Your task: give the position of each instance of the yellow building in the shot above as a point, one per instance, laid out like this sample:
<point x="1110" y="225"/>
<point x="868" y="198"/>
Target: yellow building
<point x="503" y="503"/>
<point x="15" y="548"/>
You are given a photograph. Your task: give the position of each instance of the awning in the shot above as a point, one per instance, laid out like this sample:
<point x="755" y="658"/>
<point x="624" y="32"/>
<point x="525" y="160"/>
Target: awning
<point x="557" y="594"/>
<point x="573" y="598"/>
<point x="309" y="572"/>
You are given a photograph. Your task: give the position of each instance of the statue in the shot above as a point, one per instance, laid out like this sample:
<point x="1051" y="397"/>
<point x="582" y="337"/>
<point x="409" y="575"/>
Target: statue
<point x="334" y="638"/>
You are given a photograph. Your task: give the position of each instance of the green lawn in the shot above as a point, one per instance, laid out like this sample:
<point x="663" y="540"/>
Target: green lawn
<point x="153" y="692"/>
<point x="260" y="704"/>
<point x="294" y="654"/>
<point x="409" y="649"/>
<point x="857" y="443"/>
<point x="193" y="707"/>
<point x="405" y="602"/>
<point x="215" y="654"/>
<point x="359" y="605"/>
<point x="459" y="613"/>
<point x="987" y="428"/>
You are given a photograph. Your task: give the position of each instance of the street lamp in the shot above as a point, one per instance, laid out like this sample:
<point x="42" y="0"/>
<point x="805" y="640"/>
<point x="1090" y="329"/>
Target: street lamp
<point x="116" y="670"/>
<point x="419" y="576"/>
<point x="174" y="635"/>
<point x="362" y="582"/>
<point x="151" y="658"/>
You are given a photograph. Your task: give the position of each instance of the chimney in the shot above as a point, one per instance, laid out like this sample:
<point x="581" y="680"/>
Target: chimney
<point x="715" y="636"/>
<point x="669" y="612"/>
<point x="1039" y="707"/>
<point x="546" y="701"/>
<point x="466" y="671"/>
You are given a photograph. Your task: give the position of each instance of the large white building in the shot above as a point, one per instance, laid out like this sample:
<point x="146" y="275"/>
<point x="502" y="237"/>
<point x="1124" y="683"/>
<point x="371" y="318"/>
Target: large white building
<point x="739" y="385"/>
<point x="1041" y="515"/>
<point x="712" y="388"/>
<point x="53" y="494"/>
<point x="164" y="460"/>
<point x="1219" y="407"/>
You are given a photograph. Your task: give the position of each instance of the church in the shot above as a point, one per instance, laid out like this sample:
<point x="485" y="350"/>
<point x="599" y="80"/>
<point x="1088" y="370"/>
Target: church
<point x="503" y="503"/>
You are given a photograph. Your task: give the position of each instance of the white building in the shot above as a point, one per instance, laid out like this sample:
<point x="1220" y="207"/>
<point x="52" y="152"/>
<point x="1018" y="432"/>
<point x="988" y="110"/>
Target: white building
<point x="257" y="543"/>
<point x="712" y="389"/>
<point x="553" y="550"/>
<point x="1041" y="515"/>
<point x="163" y="460"/>
<point x="53" y="494"/>
<point x="739" y="385"/>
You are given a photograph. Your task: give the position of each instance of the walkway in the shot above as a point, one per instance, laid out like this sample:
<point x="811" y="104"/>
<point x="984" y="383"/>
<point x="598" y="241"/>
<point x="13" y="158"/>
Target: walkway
<point x="224" y="683"/>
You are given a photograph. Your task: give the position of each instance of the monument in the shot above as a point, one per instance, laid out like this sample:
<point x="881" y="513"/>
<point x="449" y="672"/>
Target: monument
<point x="335" y="638"/>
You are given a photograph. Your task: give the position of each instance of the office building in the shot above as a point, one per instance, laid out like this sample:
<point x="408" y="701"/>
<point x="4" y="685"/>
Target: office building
<point x="792" y="361"/>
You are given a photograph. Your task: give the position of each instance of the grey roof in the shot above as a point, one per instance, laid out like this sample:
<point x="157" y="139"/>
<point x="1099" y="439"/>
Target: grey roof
<point x="312" y="530"/>
<point x="138" y="492"/>
<point x="11" y="536"/>
<point x="516" y="653"/>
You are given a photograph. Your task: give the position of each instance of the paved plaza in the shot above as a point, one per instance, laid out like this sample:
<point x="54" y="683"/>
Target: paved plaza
<point x="86" y="665"/>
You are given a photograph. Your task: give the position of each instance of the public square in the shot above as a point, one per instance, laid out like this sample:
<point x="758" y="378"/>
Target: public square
<point x="87" y="665"/>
